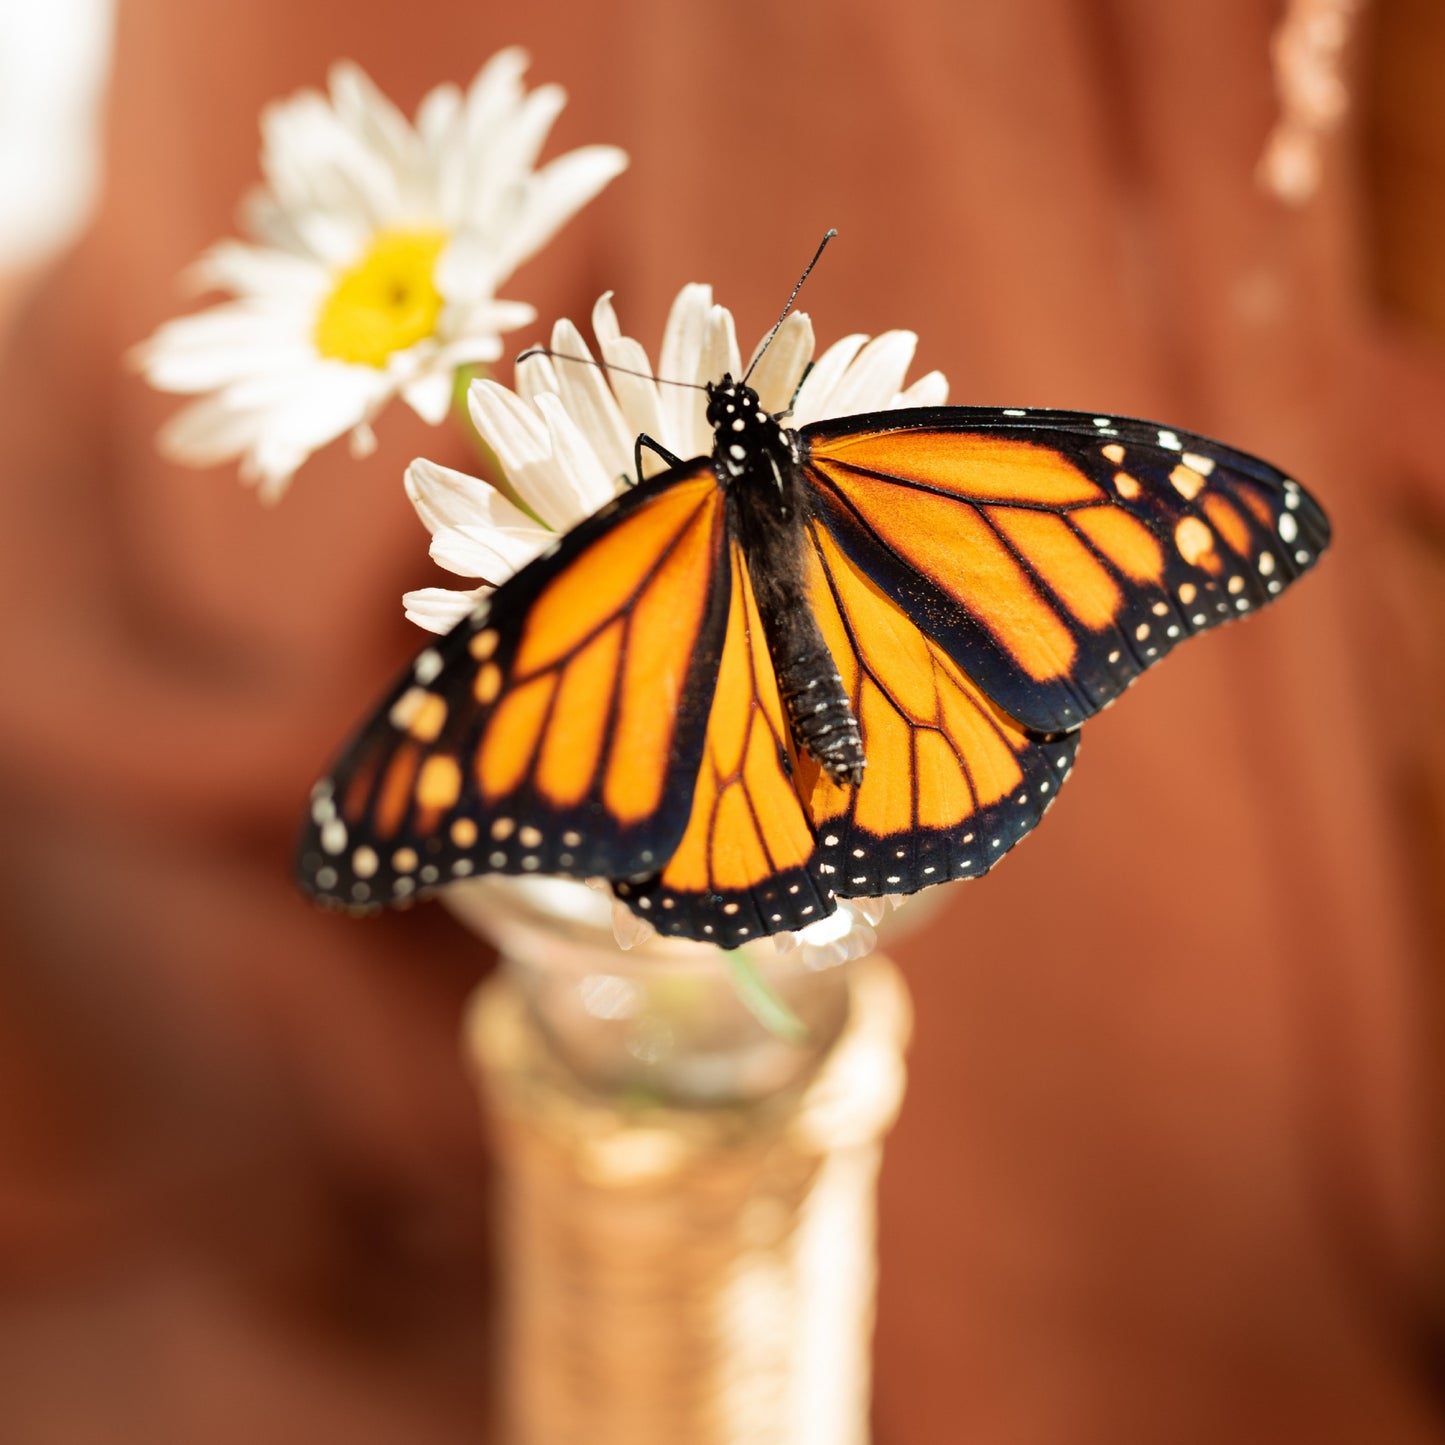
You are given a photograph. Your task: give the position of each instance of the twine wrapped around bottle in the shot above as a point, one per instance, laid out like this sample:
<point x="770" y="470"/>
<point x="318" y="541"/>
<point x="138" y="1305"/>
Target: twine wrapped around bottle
<point x="682" y="1273"/>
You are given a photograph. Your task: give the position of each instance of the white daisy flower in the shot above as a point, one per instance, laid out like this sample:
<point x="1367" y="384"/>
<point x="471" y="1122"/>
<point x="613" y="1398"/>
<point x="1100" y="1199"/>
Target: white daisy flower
<point x="566" y="435"/>
<point x="566" y="440"/>
<point x="379" y="246"/>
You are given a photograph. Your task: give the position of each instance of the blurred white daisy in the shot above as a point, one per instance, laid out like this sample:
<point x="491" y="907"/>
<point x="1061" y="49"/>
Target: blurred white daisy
<point x="565" y="437"/>
<point x="379" y="246"/>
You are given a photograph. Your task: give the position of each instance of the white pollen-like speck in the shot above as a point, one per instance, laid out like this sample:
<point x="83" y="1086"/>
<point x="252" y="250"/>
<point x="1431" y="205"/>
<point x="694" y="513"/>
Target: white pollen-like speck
<point x="1288" y="527"/>
<point x="707" y="928"/>
<point x="1103" y="421"/>
<point x="968" y="837"/>
<point x="1062" y="762"/>
<point x="776" y="917"/>
<point x="826" y="868"/>
<point x="528" y="836"/>
<point x="1199" y="619"/>
<point x="1168" y="440"/>
<point x="894" y="879"/>
<point x="644" y="903"/>
<point x="1301" y="556"/>
<point x="462" y="867"/>
<point x="1141" y="631"/>
<point x="743" y="932"/>
<point x="1113" y="657"/>
<point x="929" y="869"/>
<point x="807" y="910"/>
<point x="427" y="666"/>
<point x="333" y="836"/>
<point x="1014" y="411"/>
<point x="831" y="840"/>
<point x="792" y="888"/>
<point x="323" y="810"/>
<point x="1043" y="787"/>
<point x="1173" y="631"/>
<point x="1276" y="586"/>
<point x="429" y="874"/>
<point x="737" y="452"/>
<point x="1160" y="609"/>
<point x="531" y="863"/>
<point x="326" y="878"/>
<point x="860" y="880"/>
<point x="497" y="860"/>
<point x="739" y="424"/>
<point x="1235" y="585"/>
<point x="1266" y="563"/>
<point x="1151" y="652"/>
<point x="1020" y="800"/>
<point x="995" y="843"/>
<point x="364" y="862"/>
<point x="858" y="852"/>
<point x="1243" y="604"/>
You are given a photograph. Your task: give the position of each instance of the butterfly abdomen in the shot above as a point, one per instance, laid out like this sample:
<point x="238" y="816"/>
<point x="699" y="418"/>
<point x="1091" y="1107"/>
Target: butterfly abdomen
<point x="768" y="508"/>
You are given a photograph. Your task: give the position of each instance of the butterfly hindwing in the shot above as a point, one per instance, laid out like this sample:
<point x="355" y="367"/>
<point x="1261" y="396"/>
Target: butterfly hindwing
<point x="952" y="782"/>
<point x="1057" y="555"/>
<point x="557" y="730"/>
<point x="746" y="866"/>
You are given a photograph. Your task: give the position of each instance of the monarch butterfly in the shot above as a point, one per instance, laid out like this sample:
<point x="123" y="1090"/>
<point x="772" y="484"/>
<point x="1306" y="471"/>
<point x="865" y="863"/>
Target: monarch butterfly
<point x="840" y="661"/>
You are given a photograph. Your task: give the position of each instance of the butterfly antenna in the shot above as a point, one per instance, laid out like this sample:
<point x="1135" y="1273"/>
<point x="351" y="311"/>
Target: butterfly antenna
<point x="603" y="366"/>
<point x="822" y="246"/>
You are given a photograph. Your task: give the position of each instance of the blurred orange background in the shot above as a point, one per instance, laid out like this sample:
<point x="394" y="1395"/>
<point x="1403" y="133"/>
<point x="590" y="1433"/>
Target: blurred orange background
<point x="1166" y="1171"/>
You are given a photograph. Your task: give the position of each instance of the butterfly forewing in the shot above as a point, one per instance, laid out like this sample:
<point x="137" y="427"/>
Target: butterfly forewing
<point x="556" y="731"/>
<point x="1054" y="555"/>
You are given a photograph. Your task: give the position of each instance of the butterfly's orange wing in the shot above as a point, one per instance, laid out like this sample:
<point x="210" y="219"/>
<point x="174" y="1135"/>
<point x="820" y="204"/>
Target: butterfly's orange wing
<point x="952" y="781"/>
<point x="559" y="729"/>
<point x="1055" y="556"/>
<point x="747" y="865"/>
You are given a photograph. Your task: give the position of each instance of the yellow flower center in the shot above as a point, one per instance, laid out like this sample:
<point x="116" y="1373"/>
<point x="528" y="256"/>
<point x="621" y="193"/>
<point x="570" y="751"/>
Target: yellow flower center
<point x="386" y="302"/>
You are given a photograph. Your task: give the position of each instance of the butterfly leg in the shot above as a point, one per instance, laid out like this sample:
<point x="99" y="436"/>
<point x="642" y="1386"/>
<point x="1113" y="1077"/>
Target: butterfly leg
<point x="643" y="440"/>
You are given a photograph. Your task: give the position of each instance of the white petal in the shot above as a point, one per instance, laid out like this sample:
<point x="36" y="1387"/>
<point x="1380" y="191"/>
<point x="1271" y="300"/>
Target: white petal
<point x="813" y="398"/>
<point x="430" y="395"/>
<point x="491" y="553"/>
<point x="576" y="462"/>
<point x="216" y="347"/>
<point x="776" y="375"/>
<point x="682" y="343"/>
<point x="439" y="609"/>
<point x="637" y="395"/>
<point x="444" y="498"/>
<point x="270" y="277"/>
<point x="930" y="390"/>
<point x="554" y="195"/>
<point x="547" y="461"/>
<point x="876" y="375"/>
<point x="590" y="403"/>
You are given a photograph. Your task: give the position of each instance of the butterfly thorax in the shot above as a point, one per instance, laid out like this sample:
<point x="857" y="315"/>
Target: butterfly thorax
<point x="757" y="464"/>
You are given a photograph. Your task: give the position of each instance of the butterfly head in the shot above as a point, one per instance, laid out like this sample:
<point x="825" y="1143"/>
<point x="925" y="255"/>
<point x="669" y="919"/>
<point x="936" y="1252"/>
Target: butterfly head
<point x="747" y="441"/>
